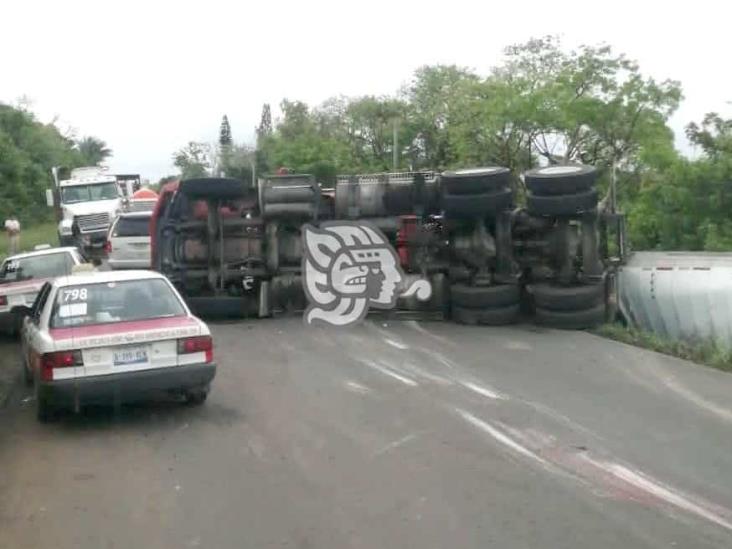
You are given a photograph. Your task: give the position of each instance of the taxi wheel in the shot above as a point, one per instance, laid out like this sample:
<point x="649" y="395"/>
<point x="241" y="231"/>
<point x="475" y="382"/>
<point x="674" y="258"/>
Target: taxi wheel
<point x="27" y="374"/>
<point x="196" y="397"/>
<point x="44" y="411"/>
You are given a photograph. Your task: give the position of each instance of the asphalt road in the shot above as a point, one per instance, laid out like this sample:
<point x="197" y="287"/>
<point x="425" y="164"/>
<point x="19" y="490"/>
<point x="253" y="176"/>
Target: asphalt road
<point x="402" y="435"/>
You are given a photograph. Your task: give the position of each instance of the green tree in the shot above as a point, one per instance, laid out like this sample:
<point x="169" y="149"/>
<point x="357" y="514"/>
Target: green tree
<point x="432" y="98"/>
<point x="225" y="132"/>
<point x="590" y="105"/>
<point x="194" y="160"/>
<point x="28" y="150"/>
<point x="93" y="151"/>
<point x="238" y="163"/>
<point x="685" y="204"/>
<point x="265" y="123"/>
<point x="714" y="135"/>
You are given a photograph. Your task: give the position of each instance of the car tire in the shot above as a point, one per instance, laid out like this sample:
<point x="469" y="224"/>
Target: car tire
<point x="196" y="397"/>
<point x="572" y="320"/>
<point x="213" y="187"/>
<point x="568" y="204"/>
<point x="490" y="317"/>
<point x="476" y="180"/>
<point x="27" y="373"/>
<point x="567" y="298"/>
<point x="458" y="273"/>
<point x="44" y="411"/>
<point x="477" y="205"/>
<point x="559" y="180"/>
<point x="484" y="297"/>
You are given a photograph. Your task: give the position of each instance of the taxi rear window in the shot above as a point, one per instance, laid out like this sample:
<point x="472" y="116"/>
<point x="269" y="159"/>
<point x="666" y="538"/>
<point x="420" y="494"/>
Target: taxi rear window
<point x="39" y="266"/>
<point x="104" y="302"/>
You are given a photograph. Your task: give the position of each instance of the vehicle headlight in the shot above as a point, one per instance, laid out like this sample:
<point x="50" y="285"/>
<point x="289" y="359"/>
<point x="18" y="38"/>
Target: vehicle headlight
<point x="65" y="226"/>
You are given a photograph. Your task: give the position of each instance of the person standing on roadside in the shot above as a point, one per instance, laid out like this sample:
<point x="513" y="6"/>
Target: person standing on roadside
<point x="12" y="227"/>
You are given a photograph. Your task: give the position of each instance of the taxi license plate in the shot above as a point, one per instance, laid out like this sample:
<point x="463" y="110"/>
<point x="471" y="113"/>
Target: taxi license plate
<point x="124" y="357"/>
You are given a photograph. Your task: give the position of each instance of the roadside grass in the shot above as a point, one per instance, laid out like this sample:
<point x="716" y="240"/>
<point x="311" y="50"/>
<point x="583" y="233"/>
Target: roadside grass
<point x="45" y="233"/>
<point x="707" y="352"/>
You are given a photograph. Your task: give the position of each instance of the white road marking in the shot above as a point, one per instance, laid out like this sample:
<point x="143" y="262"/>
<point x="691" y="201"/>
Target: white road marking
<point x="424" y="331"/>
<point x="694" y="398"/>
<point x="392" y="445"/>
<point x="484" y="391"/>
<point x="654" y="488"/>
<point x="357" y="387"/>
<point x="425" y="374"/>
<point x="397" y="344"/>
<point x="517" y="346"/>
<point x="561" y="418"/>
<point x="443" y="360"/>
<point x="388" y="372"/>
<point x="532" y="437"/>
<point x="500" y="436"/>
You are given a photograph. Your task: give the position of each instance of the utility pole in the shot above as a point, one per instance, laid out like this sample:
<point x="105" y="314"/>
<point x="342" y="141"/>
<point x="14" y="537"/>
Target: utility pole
<point x="395" y="145"/>
<point x="614" y="188"/>
<point x="254" y="158"/>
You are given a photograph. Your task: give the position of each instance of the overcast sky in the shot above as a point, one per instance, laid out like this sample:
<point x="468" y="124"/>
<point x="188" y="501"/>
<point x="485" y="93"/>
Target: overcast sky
<point x="147" y="77"/>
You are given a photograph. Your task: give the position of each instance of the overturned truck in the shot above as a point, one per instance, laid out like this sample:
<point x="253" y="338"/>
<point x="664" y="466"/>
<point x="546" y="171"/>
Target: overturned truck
<point x="235" y="250"/>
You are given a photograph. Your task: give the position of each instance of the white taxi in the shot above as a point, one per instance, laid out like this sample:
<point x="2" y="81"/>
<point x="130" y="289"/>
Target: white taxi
<point x="113" y="336"/>
<point x="23" y="275"/>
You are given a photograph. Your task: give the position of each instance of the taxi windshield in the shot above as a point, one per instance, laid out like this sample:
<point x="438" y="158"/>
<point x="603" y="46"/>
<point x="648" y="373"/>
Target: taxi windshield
<point x="115" y="301"/>
<point x="40" y="266"/>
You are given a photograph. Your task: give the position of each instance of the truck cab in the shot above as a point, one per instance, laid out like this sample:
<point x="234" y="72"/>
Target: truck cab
<point x="87" y="202"/>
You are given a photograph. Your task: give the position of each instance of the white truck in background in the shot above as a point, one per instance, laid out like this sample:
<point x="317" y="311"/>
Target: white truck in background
<point x="87" y="203"/>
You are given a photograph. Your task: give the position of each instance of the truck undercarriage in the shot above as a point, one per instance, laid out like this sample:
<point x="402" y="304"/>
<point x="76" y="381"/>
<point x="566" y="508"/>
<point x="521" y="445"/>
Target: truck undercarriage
<point x="237" y="251"/>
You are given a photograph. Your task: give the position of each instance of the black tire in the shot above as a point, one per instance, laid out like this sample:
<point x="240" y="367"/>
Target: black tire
<point x="196" y="397"/>
<point x="44" y="411"/>
<point x="488" y="317"/>
<point x="27" y="373"/>
<point x="484" y="297"/>
<point x="476" y="180"/>
<point x="568" y="204"/>
<point x="477" y="205"/>
<point x="457" y="273"/>
<point x="213" y="187"/>
<point x="556" y="180"/>
<point x="567" y="298"/>
<point x="571" y="320"/>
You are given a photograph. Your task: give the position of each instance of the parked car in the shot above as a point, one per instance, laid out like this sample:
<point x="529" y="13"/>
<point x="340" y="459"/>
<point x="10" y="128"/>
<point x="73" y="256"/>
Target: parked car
<point x="23" y="275"/>
<point x="128" y="242"/>
<point x="113" y="336"/>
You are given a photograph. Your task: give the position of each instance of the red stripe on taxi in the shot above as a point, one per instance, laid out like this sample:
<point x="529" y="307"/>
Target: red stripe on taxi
<point x="121" y="327"/>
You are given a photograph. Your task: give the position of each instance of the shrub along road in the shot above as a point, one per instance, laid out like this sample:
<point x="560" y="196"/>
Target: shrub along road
<point x="400" y="435"/>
